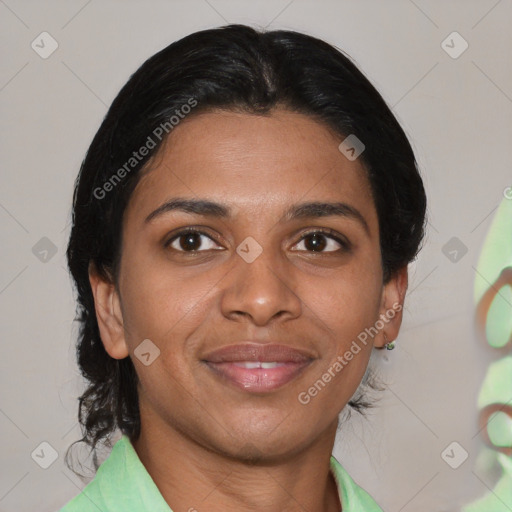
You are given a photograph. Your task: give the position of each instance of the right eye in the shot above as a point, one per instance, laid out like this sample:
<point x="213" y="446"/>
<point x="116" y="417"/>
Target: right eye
<point x="191" y="240"/>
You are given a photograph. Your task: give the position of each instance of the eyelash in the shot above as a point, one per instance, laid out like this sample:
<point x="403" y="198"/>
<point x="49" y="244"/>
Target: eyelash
<point x="328" y="233"/>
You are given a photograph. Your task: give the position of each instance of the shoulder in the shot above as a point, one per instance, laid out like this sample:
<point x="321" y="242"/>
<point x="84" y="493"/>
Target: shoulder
<point x="96" y="494"/>
<point x="89" y="500"/>
<point x="353" y="497"/>
<point x="121" y="483"/>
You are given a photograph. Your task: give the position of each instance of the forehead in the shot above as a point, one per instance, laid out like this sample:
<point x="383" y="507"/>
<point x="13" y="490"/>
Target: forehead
<point x="252" y="162"/>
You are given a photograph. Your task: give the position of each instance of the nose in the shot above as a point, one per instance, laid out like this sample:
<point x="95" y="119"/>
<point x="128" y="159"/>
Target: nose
<point x="260" y="291"/>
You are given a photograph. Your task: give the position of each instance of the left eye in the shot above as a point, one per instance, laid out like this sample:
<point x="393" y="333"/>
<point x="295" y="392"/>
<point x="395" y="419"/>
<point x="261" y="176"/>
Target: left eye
<point x="321" y="242"/>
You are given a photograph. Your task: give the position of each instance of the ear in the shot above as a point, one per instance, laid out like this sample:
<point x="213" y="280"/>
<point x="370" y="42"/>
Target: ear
<point x="108" y="314"/>
<point x="392" y="306"/>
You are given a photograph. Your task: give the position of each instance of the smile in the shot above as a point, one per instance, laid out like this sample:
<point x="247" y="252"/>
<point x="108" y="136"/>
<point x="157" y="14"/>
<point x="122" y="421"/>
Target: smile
<point x="251" y="365"/>
<point x="257" y="368"/>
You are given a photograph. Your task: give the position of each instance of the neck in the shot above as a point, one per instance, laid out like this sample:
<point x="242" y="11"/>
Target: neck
<point x="193" y="478"/>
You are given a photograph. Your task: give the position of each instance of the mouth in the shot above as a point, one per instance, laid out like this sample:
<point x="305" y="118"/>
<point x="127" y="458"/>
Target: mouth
<point x="256" y="367"/>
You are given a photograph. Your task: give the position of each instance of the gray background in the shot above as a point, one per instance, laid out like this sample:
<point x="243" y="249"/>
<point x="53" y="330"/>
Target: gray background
<point x="458" y="113"/>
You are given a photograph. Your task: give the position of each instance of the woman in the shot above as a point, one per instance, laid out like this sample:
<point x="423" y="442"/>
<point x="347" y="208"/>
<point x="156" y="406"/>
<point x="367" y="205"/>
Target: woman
<point x="242" y="226"/>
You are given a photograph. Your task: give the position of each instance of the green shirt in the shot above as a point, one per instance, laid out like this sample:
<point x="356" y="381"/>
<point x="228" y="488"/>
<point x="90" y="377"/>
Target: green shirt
<point x="122" y="484"/>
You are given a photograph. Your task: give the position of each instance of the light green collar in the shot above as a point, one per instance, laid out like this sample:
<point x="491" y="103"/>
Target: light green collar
<point x="122" y="483"/>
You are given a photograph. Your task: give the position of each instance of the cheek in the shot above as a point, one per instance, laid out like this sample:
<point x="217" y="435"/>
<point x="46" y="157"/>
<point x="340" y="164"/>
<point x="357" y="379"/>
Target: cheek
<point x="154" y="296"/>
<point x="166" y="305"/>
<point x="151" y="307"/>
<point x="346" y="312"/>
<point x="349" y="301"/>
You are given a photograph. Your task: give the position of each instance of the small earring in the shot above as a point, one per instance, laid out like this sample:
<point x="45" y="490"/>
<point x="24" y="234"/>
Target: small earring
<point x="390" y="345"/>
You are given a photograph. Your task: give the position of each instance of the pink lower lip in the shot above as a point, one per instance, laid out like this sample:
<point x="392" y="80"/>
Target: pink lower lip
<point x="258" y="379"/>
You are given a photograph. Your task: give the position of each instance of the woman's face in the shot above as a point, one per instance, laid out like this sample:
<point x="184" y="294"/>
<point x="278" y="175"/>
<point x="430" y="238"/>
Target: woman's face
<point x="255" y="285"/>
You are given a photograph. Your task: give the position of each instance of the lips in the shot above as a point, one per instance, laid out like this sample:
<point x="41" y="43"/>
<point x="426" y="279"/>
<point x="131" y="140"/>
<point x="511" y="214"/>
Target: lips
<point x="257" y="367"/>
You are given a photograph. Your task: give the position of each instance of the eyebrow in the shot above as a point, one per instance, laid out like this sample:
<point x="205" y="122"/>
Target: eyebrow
<point x="314" y="209"/>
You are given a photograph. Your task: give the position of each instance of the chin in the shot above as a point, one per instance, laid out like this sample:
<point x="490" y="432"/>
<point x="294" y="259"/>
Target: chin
<point x="254" y="445"/>
<point x="260" y="453"/>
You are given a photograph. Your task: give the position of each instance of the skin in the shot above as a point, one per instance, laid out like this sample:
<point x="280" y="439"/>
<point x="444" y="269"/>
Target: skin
<point x="207" y="444"/>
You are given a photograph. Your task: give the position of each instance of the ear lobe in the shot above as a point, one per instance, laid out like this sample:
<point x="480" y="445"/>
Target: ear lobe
<point x="108" y="314"/>
<point x="391" y="312"/>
